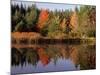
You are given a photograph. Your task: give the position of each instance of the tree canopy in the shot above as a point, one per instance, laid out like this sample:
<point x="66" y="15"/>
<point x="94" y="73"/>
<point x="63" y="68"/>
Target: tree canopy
<point x="72" y="23"/>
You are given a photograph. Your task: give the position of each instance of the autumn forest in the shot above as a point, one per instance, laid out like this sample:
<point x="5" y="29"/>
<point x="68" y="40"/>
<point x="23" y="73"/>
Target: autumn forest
<point x="32" y="22"/>
<point x="49" y="37"/>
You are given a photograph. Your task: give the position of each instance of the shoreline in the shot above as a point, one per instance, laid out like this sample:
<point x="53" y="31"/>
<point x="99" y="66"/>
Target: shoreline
<point x="36" y="38"/>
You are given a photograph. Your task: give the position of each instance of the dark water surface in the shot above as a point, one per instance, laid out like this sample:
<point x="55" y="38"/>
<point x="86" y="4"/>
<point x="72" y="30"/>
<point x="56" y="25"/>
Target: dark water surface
<point x="47" y="58"/>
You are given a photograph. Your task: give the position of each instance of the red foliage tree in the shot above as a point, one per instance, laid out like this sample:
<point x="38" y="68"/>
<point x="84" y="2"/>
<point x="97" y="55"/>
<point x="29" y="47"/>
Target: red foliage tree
<point x="43" y="17"/>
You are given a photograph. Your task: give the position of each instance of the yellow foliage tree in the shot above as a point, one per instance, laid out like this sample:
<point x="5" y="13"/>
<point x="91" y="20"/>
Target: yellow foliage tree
<point x="74" y="21"/>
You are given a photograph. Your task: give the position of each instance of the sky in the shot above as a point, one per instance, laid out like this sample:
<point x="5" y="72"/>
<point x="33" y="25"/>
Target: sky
<point x="50" y="6"/>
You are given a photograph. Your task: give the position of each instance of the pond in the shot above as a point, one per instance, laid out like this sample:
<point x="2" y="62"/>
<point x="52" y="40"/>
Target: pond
<point x="51" y="58"/>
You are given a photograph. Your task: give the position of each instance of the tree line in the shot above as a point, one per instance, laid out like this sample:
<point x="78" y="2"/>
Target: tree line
<point x="80" y="22"/>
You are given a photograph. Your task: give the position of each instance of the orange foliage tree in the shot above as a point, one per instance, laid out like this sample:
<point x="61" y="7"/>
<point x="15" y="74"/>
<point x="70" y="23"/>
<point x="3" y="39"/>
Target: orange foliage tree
<point x="74" y="20"/>
<point x="43" y="18"/>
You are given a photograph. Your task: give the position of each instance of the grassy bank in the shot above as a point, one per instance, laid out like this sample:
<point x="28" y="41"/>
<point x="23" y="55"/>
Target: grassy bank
<point x="36" y="38"/>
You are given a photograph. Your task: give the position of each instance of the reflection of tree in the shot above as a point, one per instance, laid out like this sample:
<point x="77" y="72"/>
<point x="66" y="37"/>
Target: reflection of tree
<point x="74" y="56"/>
<point x="87" y="57"/>
<point x="23" y="55"/>
<point x="15" y="56"/>
<point x="18" y="57"/>
<point x="44" y="58"/>
<point x="32" y="56"/>
<point x="79" y="55"/>
<point x="65" y="52"/>
<point x="54" y="53"/>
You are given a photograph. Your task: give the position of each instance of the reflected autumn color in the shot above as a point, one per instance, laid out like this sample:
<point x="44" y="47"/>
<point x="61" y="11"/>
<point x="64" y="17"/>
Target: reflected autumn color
<point x="44" y="58"/>
<point x="87" y="57"/>
<point x="81" y="56"/>
<point x="74" y="56"/>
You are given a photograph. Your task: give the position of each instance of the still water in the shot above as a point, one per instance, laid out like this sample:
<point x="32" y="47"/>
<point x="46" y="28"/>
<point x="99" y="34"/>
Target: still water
<point x="47" y="58"/>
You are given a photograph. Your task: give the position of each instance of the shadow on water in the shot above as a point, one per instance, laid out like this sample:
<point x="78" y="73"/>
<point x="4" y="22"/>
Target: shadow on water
<point x="46" y="58"/>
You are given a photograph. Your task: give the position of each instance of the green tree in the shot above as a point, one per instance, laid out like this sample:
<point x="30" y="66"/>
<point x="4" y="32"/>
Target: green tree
<point x="16" y="18"/>
<point x="54" y="27"/>
<point x="21" y="26"/>
<point x="87" y="21"/>
<point x="31" y="17"/>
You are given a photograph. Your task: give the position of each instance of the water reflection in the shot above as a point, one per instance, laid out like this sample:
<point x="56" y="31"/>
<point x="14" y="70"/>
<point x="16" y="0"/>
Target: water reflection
<point x="45" y="58"/>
